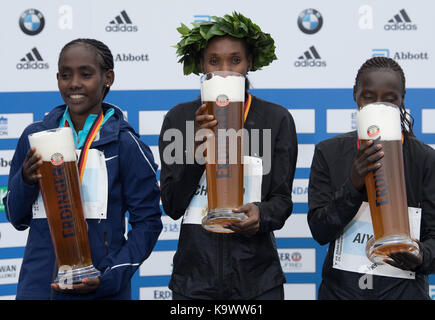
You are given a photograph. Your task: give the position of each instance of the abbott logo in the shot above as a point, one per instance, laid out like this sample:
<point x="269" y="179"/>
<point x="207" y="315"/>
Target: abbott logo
<point x="310" y="58"/>
<point x="401" y="55"/>
<point x="121" y="23"/>
<point x="400" y="22"/>
<point x="32" y="60"/>
<point x="129" y="57"/>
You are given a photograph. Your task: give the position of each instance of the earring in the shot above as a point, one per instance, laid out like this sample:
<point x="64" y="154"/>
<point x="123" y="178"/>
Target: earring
<point x="107" y="85"/>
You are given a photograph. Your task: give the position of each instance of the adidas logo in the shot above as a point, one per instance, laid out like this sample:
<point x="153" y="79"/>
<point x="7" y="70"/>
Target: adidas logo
<point x="121" y="23"/>
<point x="400" y="22"/>
<point x="32" y="60"/>
<point x="310" y="58"/>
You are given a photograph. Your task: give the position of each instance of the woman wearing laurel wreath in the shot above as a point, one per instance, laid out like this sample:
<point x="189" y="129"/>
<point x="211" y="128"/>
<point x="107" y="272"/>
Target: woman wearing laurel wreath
<point x="244" y="264"/>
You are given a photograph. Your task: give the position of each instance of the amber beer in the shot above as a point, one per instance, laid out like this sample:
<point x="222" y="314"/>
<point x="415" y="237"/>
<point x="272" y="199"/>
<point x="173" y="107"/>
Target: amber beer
<point x="61" y="194"/>
<point x="385" y="186"/>
<point x="224" y="93"/>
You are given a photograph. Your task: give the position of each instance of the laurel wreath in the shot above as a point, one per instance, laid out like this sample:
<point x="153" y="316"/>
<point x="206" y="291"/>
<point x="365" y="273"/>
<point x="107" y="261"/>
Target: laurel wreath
<point x="194" y="40"/>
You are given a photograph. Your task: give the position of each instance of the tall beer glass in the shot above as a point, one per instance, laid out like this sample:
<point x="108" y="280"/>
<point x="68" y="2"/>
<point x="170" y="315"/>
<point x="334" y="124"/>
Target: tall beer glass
<point x="60" y="189"/>
<point x="224" y="94"/>
<point x="386" y="186"/>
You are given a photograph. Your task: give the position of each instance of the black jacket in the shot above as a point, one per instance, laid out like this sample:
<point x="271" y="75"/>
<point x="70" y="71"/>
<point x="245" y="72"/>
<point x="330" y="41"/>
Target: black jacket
<point x="333" y="202"/>
<point x="228" y="266"/>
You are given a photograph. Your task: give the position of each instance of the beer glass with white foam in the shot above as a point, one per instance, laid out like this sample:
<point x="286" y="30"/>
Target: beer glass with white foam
<point x="386" y="189"/>
<point x="224" y="94"/>
<point x="61" y="194"/>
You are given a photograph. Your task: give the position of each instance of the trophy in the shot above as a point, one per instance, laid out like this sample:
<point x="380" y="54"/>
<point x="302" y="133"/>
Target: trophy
<point x="385" y="186"/>
<point x="224" y="93"/>
<point x="60" y="190"/>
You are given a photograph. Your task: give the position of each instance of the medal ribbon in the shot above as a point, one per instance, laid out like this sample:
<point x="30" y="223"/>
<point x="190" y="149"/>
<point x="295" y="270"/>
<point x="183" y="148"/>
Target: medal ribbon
<point x="96" y="125"/>
<point x="247" y="106"/>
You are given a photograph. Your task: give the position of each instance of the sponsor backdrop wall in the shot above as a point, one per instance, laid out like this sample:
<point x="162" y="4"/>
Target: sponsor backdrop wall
<point x="320" y="46"/>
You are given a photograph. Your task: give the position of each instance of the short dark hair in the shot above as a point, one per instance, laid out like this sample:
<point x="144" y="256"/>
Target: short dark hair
<point x="379" y="63"/>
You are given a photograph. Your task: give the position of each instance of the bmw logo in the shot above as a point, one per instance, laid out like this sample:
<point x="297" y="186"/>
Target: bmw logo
<point x="310" y="21"/>
<point x="31" y="22"/>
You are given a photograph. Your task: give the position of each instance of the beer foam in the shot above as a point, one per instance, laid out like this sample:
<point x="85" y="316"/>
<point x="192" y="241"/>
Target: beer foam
<point x="379" y="120"/>
<point x="231" y="86"/>
<point x="50" y="142"/>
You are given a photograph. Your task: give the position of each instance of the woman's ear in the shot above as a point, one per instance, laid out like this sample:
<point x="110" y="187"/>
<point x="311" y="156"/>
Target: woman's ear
<point x="109" y="77"/>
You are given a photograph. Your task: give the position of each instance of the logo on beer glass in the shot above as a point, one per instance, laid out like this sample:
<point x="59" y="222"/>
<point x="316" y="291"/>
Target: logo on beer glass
<point x="57" y="159"/>
<point x="373" y="131"/>
<point x="296" y="256"/>
<point x="222" y="100"/>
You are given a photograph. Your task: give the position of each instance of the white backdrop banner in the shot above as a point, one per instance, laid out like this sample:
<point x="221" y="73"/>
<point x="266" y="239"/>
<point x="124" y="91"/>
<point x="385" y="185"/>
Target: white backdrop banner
<point x="319" y="44"/>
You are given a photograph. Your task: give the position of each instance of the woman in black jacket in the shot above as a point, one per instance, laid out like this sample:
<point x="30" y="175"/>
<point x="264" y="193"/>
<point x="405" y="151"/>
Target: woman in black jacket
<point x="337" y="190"/>
<point x="243" y="264"/>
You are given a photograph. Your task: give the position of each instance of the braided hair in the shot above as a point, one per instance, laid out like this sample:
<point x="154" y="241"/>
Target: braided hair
<point x="384" y="63"/>
<point x="102" y="51"/>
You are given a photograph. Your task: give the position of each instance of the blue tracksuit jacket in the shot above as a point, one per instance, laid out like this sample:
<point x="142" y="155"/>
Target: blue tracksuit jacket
<point x="132" y="187"/>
